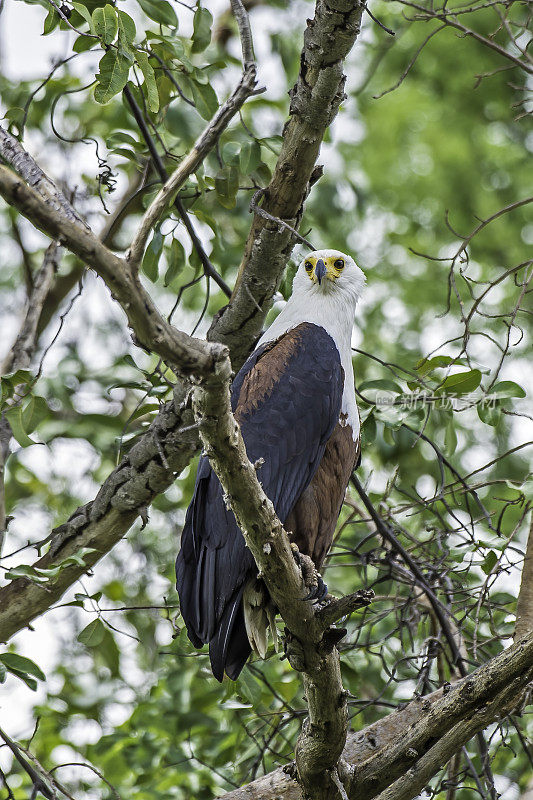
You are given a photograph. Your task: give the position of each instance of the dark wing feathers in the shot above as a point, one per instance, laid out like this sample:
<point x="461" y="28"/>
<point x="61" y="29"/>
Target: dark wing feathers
<point x="287" y="399"/>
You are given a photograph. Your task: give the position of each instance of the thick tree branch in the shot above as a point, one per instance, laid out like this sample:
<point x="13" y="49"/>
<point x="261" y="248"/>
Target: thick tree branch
<point x="323" y="734"/>
<point x="413" y="781"/>
<point x="404" y="742"/>
<point x="315" y="100"/>
<point x="12" y="152"/>
<point x="149" y="469"/>
<point x="183" y="353"/>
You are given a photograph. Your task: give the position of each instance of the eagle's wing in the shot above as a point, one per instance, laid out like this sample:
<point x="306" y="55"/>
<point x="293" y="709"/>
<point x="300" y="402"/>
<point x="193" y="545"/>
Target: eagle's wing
<point x="287" y="400"/>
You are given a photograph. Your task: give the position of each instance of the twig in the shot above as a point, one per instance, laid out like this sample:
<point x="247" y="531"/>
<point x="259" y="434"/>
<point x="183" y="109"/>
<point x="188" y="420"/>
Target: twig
<point x="205" y="142"/>
<point x="524" y="606"/>
<point x="338" y="608"/>
<point x="387" y="534"/>
<point x="182" y="211"/>
<point x="19" y="357"/>
<point x="38" y="783"/>
<point x="256" y="209"/>
<point x="245" y="32"/>
<point x="381" y="25"/>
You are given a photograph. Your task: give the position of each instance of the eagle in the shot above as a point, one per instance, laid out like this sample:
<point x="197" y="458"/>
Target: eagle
<point x="294" y="400"/>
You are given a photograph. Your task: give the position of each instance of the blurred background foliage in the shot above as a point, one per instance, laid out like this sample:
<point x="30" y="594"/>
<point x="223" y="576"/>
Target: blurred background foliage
<point x="408" y="174"/>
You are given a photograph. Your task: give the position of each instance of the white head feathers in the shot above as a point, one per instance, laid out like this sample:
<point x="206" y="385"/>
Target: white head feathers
<point x="325" y="291"/>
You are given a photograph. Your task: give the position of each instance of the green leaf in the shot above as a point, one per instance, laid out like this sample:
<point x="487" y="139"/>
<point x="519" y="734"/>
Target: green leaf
<point x="105" y="23"/>
<point x="51" y="22"/>
<point x="84" y="12"/>
<point x="205" y="99"/>
<point x="126" y="27"/>
<point x="149" y="80"/>
<point x="249" y="688"/>
<point x="34" y="412"/>
<point x="490" y="560"/>
<point x="226" y="185"/>
<point x="231" y="152"/>
<point x="426" y="365"/>
<point x="460" y="383"/>
<point x="201" y="35"/>
<point x="489" y="410"/>
<point x="43" y="574"/>
<point x="383" y="383"/>
<point x="150" y="264"/>
<point x="176" y="261"/>
<point x="20" y="664"/>
<point x="113" y="76"/>
<point x="109" y="653"/>
<point x="160" y="11"/>
<point x="14" y="417"/>
<point x="250" y="157"/>
<point x="93" y="634"/>
<point x="507" y="389"/>
<point x="450" y="438"/>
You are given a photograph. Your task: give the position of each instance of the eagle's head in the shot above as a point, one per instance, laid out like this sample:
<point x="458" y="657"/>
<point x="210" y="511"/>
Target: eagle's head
<point x="329" y="272"/>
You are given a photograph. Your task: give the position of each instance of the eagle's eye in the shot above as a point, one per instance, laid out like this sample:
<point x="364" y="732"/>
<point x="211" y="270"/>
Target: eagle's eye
<point x="308" y="266"/>
<point x="339" y="263"/>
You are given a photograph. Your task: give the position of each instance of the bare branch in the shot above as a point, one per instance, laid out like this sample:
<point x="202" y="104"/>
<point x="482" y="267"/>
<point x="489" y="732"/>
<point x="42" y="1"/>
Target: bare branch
<point x="184" y="353"/>
<point x="323" y="737"/>
<point x="245" y="32"/>
<point x="19" y="357"/>
<point x="399" y="742"/>
<point x="191" y="162"/>
<point x="524" y="605"/>
<point x="101" y="523"/>
<point x="12" y="152"/>
<point x="182" y="211"/>
<point x="20" y="354"/>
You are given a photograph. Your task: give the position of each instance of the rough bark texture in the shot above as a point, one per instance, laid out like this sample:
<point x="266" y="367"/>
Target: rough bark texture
<point x="408" y="746"/>
<point x="149" y="469"/>
<point x="150" y="328"/>
<point x="323" y="733"/>
<point x="315" y="100"/>
<point x="12" y="152"/>
<point x="524" y="606"/>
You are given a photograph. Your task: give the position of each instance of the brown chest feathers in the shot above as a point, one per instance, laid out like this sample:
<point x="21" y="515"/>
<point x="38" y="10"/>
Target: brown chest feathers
<point x="311" y="523"/>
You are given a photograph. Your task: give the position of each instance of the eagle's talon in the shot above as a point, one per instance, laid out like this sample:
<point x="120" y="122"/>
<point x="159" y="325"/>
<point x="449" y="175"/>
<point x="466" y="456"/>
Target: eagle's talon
<point x="319" y="591"/>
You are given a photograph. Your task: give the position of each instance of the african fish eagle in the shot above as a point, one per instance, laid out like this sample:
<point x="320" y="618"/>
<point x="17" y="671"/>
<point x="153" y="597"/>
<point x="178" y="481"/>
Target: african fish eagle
<point x="294" y="399"/>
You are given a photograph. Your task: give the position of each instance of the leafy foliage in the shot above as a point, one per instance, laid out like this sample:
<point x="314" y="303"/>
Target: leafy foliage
<point x="440" y="357"/>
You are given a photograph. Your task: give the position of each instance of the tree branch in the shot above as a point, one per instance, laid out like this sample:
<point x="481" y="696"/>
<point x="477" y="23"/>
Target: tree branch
<point x="12" y="152"/>
<point x="183" y="353"/>
<point x="205" y="142"/>
<point x="315" y="100"/>
<point x="182" y="211"/>
<point x="397" y="744"/>
<point x="20" y="354"/>
<point x="524" y="605"/>
<point x="323" y="734"/>
<point x="100" y="524"/>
